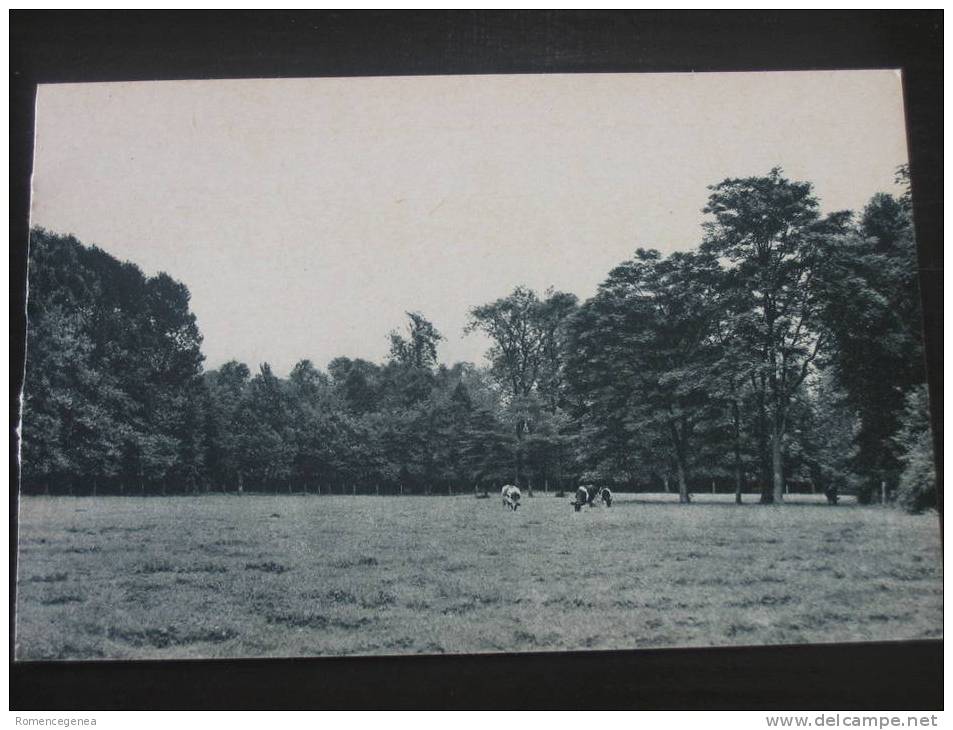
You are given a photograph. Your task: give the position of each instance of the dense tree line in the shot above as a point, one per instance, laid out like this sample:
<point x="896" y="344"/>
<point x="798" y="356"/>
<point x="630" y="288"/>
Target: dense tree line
<point x="785" y="349"/>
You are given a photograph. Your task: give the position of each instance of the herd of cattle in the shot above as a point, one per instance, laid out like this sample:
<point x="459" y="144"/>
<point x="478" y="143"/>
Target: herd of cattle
<point x="585" y="495"/>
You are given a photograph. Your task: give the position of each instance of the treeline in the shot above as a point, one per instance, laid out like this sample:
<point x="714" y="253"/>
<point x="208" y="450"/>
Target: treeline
<point x="784" y="350"/>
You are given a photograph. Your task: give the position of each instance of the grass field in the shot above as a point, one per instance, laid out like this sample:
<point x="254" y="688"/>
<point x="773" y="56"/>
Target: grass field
<point x="222" y="576"/>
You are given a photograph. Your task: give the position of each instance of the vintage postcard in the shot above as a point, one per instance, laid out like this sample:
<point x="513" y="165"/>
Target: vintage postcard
<point x="463" y="364"/>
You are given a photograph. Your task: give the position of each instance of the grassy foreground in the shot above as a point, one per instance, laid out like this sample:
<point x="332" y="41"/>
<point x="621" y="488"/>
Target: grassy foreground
<point x="222" y="576"/>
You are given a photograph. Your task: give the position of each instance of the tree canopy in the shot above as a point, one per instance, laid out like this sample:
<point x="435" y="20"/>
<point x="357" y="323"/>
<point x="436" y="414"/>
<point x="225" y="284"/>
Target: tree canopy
<point x="785" y="349"/>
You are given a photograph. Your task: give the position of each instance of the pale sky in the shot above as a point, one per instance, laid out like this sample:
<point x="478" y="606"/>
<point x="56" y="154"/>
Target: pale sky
<point x="307" y="215"/>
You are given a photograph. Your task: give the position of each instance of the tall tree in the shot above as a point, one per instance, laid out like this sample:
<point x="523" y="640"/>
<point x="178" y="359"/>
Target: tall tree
<point x="526" y="335"/>
<point x="917" y="484"/>
<point x="773" y="240"/>
<point x="872" y="308"/>
<point x="640" y="350"/>
<point x="418" y="348"/>
<point x="113" y="363"/>
<point x="227" y="387"/>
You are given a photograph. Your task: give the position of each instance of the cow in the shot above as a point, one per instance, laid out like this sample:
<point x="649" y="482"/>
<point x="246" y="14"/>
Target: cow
<point x="587" y="493"/>
<point x="583" y="497"/>
<point x="511" y="497"/>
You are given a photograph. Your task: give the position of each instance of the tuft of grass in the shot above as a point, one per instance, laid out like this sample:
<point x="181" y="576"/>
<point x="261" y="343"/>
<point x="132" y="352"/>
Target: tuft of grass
<point x="738" y="629"/>
<point x="363" y="561"/>
<point x="299" y="620"/>
<point x="61" y="600"/>
<point x="160" y="638"/>
<point x="267" y="567"/>
<point x="52" y="578"/>
<point x="340" y="596"/>
<point x="767" y="600"/>
<point x="381" y="599"/>
<point x="311" y="620"/>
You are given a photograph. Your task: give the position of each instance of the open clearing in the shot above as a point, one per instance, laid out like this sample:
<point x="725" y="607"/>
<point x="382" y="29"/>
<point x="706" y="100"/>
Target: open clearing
<point x="222" y="576"/>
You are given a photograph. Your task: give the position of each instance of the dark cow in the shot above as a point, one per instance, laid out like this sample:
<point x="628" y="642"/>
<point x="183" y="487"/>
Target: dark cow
<point x="511" y="497"/>
<point x="586" y="495"/>
<point x="581" y="498"/>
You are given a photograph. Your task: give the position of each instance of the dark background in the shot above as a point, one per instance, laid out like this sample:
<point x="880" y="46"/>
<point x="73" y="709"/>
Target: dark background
<point x="63" y="46"/>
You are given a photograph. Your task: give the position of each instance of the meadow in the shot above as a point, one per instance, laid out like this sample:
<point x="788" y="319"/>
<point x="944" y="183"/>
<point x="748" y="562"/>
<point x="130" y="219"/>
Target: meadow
<point x="251" y="576"/>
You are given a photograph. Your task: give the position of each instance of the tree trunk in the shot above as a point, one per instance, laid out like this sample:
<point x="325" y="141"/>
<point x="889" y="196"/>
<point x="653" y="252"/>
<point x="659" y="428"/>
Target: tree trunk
<point x="519" y="453"/>
<point x="767" y="496"/>
<point x="777" y="467"/>
<point x="678" y="444"/>
<point x="683" y="496"/>
<point x="736" y="417"/>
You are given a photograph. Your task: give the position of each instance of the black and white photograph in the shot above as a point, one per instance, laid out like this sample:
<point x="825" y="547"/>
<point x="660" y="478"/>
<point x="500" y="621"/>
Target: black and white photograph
<point x="473" y="364"/>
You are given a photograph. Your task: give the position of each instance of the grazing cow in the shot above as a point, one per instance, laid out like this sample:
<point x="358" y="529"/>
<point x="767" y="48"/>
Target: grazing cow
<point x="511" y="497"/>
<point x="583" y="497"/>
<point x="586" y="494"/>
